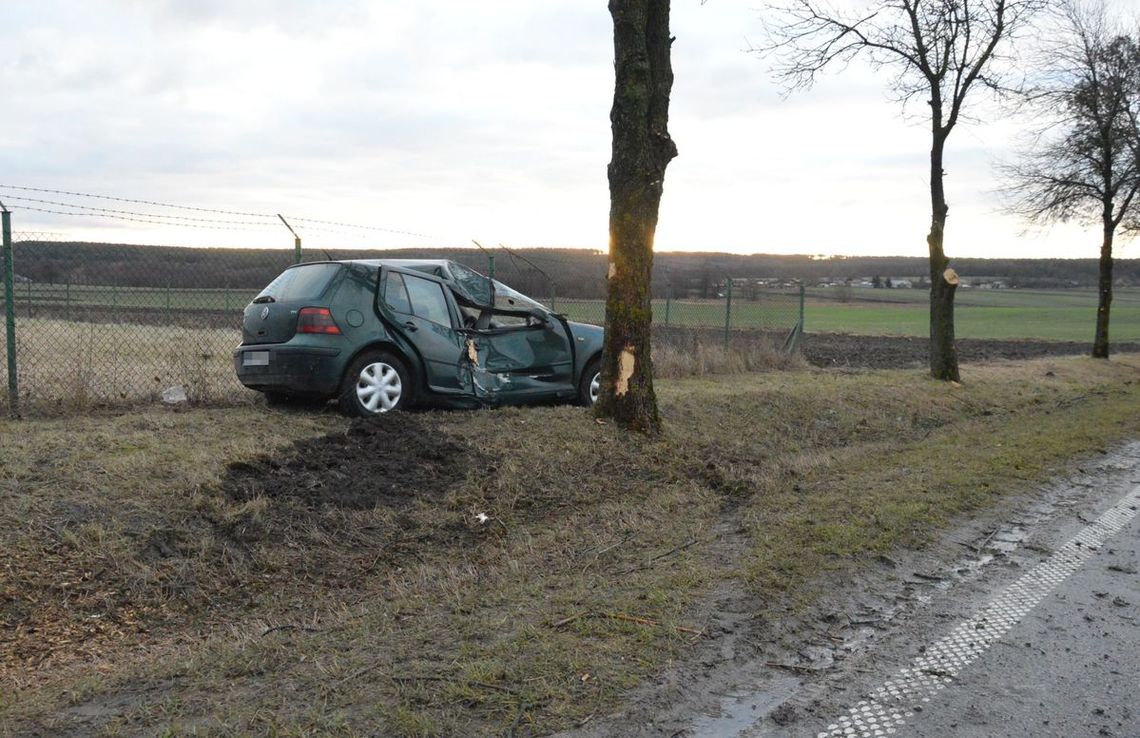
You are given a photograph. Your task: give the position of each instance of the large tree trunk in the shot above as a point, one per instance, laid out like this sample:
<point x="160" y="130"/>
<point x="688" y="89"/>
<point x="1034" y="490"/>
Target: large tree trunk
<point x="1104" y="288"/>
<point x="642" y="149"/>
<point x="943" y="280"/>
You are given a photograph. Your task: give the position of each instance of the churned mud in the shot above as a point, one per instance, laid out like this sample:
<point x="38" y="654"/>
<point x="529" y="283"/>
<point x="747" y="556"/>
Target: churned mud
<point x="383" y="461"/>
<point x="900" y="352"/>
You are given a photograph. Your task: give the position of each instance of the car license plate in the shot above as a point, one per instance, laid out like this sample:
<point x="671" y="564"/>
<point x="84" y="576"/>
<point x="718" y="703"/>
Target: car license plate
<point x="255" y="358"/>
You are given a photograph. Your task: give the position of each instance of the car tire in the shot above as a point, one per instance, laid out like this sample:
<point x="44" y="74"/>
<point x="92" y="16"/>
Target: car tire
<point x="376" y="382"/>
<point x="590" y="383"/>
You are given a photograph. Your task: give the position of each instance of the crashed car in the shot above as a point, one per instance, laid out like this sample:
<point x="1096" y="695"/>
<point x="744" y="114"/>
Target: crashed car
<point x="385" y="334"/>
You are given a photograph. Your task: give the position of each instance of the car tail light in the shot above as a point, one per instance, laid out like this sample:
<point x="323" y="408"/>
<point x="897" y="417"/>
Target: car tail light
<point x="316" y="320"/>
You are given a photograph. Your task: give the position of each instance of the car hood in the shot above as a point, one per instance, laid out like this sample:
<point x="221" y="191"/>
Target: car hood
<point x="586" y="330"/>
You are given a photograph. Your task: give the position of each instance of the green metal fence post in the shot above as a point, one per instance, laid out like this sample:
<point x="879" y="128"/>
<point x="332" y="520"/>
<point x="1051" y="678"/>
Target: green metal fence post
<point x="759" y="308"/>
<point x="801" y="308"/>
<point x="296" y="240"/>
<point x="491" y="277"/>
<point x="10" y="312"/>
<point x="668" y="301"/>
<point x="727" y="312"/>
<point x="797" y="331"/>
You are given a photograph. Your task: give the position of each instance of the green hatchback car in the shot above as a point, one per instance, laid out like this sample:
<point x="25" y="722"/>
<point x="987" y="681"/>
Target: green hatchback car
<point x="384" y="334"/>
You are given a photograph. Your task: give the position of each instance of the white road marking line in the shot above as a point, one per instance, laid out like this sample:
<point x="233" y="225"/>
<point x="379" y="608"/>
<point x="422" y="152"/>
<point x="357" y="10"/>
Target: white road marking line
<point x="889" y="707"/>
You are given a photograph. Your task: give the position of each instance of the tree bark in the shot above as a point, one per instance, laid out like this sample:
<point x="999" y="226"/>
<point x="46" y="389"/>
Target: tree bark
<point x="1104" y="288"/>
<point x="943" y="280"/>
<point x="641" y="150"/>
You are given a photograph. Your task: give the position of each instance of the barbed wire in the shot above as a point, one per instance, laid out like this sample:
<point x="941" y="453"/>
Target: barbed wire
<point x="172" y="220"/>
<point x="134" y="213"/>
<point x="136" y="201"/>
<point x="129" y="218"/>
<point x="362" y="227"/>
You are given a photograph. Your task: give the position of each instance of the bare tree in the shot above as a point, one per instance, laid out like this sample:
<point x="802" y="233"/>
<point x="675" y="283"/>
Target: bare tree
<point x="1083" y="164"/>
<point x="938" y="51"/>
<point x="642" y="149"/>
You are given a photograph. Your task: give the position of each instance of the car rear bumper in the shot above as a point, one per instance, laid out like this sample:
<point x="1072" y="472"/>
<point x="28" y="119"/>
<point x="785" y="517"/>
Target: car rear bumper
<point x="303" y="370"/>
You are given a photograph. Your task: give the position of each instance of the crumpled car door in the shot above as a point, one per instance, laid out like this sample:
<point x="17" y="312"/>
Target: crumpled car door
<point x="516" y="363"/>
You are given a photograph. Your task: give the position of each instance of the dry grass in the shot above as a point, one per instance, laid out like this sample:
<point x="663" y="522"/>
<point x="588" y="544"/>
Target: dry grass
<point x="69" y="366"/>
<point x="419" y="620"/>
<point x="701" y="354"/>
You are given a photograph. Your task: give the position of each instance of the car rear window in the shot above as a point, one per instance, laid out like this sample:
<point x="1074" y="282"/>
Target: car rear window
<point x="303" y="282"/>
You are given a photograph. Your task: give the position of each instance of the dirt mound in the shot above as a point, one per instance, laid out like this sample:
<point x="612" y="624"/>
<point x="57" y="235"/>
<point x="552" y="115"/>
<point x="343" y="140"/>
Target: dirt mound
<point x="378" y="461"/>
<point x="899" y="352"/>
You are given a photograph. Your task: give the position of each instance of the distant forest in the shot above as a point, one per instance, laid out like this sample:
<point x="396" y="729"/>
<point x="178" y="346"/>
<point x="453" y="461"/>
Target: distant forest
<point x="540" y="272"/>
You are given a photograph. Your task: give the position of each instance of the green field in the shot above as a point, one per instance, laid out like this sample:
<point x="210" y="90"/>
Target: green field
<point x="32" y="296"/>
<point x="1058" y="315"/>
<point x="774" y="311"/>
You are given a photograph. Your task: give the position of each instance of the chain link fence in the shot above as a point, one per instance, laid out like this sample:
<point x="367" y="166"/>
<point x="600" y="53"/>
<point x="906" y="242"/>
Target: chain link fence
<point x="100" y="325"/>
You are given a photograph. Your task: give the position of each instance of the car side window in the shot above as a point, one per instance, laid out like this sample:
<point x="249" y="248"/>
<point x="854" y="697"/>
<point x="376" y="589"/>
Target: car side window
<point x="395" y="295"/>
<point x="428" y="300"/>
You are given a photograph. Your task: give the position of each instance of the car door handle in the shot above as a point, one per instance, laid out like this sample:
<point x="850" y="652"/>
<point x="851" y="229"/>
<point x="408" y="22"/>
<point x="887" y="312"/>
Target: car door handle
<point x="411" y="326"/>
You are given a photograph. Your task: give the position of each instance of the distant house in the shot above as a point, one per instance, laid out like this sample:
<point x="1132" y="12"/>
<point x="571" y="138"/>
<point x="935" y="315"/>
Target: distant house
<point x="902" y="284"/>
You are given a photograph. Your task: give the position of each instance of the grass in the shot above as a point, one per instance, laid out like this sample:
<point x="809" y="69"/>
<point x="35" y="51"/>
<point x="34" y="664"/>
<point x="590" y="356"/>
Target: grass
<point x="66" y="365"/>
<point x="69" y="366"/>
<point x="1053" y="315"/>
<point x="277" y="615"/>
<point x="31" y="297"/>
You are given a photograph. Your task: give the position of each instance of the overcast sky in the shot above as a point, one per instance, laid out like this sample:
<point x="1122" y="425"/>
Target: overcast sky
<point x="457" y="120"/>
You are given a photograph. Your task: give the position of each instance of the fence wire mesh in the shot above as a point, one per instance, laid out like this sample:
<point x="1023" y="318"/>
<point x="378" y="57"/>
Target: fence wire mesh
<point x="105" y="325"/>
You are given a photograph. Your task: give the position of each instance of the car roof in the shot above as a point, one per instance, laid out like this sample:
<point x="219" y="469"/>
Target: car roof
<point x="404" y="263"/>
<point x="468" y="288"/>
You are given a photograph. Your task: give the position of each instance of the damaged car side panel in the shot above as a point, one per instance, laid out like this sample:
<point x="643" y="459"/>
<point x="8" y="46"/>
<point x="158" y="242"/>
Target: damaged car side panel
<point x="533" y="361"/>
<point x="410" y="330"/>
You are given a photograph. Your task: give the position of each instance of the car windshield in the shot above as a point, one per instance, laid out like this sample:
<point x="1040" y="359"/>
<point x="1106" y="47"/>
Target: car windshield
<point x="475" y="288"/>
<point x="303" y="282"/>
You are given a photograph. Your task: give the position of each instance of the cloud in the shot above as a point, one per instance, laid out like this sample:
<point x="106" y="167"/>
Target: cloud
<point x="457" y="119"/>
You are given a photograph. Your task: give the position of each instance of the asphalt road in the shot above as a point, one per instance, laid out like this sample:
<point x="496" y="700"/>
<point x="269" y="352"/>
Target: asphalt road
<point x="1054" y="653"/>
<point x="1070" y="667"/>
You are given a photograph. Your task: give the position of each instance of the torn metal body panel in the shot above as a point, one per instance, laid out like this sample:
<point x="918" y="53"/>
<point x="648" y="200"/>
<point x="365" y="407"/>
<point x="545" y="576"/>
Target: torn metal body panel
<point x="524" y="362"/>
